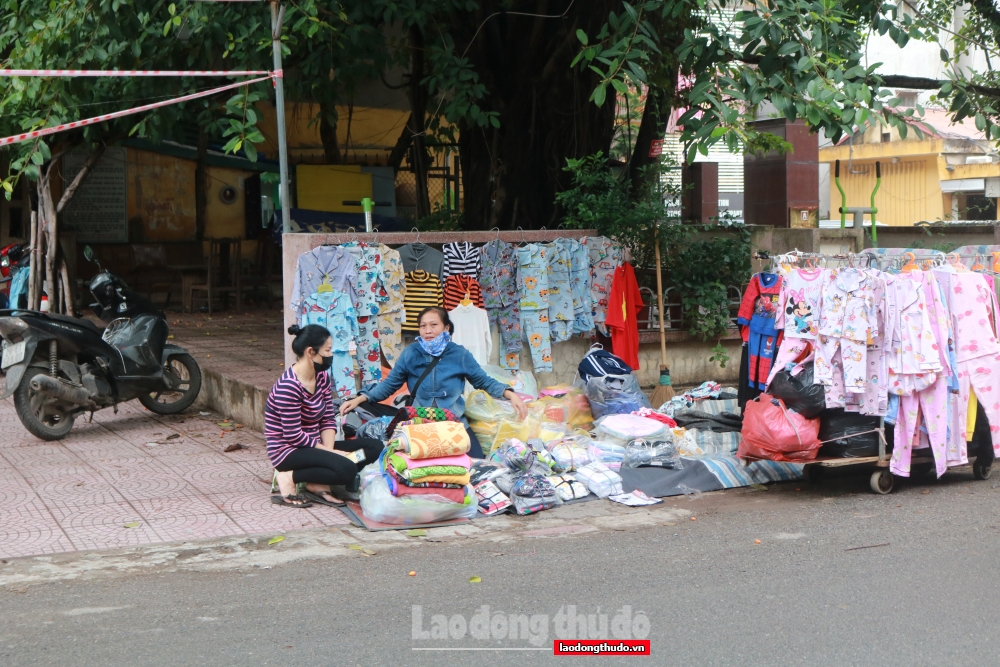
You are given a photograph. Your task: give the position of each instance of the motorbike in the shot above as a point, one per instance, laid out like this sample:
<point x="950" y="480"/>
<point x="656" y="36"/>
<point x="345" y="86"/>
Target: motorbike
<point x="58" y="367"/>
<point x="11" y="257"/>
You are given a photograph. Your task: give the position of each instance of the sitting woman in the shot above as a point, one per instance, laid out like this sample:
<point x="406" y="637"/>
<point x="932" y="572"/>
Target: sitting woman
<point x="299" y="427"/>
<point x="442" y="387"/>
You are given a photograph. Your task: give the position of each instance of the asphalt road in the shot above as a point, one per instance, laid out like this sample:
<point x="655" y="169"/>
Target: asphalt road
<point x="840" y="577"/>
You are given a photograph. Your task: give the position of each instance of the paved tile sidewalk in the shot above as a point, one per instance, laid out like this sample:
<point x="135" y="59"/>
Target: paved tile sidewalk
<point x="79" y="493"/>
<point x="246" y="346"/>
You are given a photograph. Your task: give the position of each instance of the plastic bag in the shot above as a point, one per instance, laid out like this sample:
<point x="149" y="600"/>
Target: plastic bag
<point x="532" y="493"/>
<point x="495" y="421"/>
<point x="660" y="454"/>
<point x="799" y="393"/>
<point x="522" y="382"/>
<point x="608" y="453"/>
<point x="839" y="427"/>
<point x="772" y="431"/>
<point x="564" y="404"/>
<point x="686" y="443"/>
<point x="378" y="504"/>
<point x="568" y="488"/>
<point x="601" y="480"/>
<point x="491" y="500"/>
<point x="613" y="395"/>
<point x="547" y="432"/>
<point x="569" y="453"/>
<point x="480" y="406"/>
<point x="622" y="428"/>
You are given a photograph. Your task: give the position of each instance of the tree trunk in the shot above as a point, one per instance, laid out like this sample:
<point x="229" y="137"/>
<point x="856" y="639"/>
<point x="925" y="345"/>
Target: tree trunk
<point x="48" y="217"/>
<point x="511" y="174"/>
<point x="32" y="265"/>
<point x="655" y="116"/>
<point x="328" y="132"/>
<point x="201" y="186"/>
<point x="416" y="126"/>
<point x="402" y="146"/>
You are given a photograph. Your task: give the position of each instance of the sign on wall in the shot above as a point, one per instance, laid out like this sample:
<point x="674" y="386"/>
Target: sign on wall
<point x="98" y="212"/>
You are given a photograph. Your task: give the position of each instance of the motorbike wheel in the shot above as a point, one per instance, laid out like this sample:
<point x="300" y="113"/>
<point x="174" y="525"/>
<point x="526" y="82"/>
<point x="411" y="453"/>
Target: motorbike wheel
<point x="40" y="414"/>
<point x="173" y="401"/>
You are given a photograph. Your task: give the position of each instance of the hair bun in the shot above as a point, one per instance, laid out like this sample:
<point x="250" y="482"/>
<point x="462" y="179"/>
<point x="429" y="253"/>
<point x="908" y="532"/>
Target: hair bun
<point x="294" y="330"/>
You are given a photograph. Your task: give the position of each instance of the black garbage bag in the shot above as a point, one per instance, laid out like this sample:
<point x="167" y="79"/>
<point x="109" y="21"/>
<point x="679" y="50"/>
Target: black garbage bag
<point x="799" y="393"/>
<point x="840" y="428"/>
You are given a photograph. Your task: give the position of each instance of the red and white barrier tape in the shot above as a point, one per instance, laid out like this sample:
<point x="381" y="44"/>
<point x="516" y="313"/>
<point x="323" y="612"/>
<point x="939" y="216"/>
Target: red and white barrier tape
<point x="127" y="73"/>
<point x="18" y="138"/>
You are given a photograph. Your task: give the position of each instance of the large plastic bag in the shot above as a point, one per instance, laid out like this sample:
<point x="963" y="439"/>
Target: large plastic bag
<point x="622" y="428"/>
<point x="494" y="421"/>
<point x="378" y="504"/>
<point x="564" y="404"/>
<point x="839" y="432"/>
<point x="601" y="481"/>
<point x="522" y="382"/>
<point x="613" y="395"/>
<point x="608" y="453"/>
<point x="772" y="431"/>
<point x="798" y="392"/>
<point x="660" y="454"/>
<point x="569" y="453"/>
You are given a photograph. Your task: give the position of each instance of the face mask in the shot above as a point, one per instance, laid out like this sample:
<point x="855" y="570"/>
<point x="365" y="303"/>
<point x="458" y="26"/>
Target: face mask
<point x="324" y="365"/>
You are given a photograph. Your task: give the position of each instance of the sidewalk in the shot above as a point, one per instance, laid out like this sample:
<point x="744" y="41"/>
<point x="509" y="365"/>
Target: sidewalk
<point x="85" y="491"/>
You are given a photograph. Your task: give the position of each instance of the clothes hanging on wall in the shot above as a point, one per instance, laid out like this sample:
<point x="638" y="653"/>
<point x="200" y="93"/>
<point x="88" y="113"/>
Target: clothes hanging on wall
<point x="456" y="287"/>
<point x="371" y="295"/>
<point x="326" y="265"/>
<point x="472" y="331"/>
<point x="460" y="259"/>
<point x="422" y="257"/>
<point x="498" y="279"/>
<point x="533" y="285"/>
<point x="391" y="312"/>
<point x="583" y="317"/>
<point x="624" y="305"/>
<point x="605" y="257"/>
<point x="423" y="290"/>
<point x="561" y="312"/>
<point x="334" y="311"/>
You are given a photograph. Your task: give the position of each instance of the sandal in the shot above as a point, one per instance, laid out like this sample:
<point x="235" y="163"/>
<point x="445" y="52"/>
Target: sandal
<point x="291" y="501"/>
<point x="319" y="498"/>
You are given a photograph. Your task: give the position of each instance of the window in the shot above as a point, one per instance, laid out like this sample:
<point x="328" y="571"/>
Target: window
<point x="886" y="137"/>
<point x="907" y="100"/>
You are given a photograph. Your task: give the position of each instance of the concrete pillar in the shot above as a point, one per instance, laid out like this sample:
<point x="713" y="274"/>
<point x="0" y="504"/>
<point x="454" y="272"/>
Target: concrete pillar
<point x="775" y="184"/>
<point x="701" y="192"/>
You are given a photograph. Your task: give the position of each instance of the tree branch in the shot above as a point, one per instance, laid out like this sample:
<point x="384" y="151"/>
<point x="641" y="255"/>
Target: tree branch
<point x="922" y="83"/>
<point x="68" y="193"/>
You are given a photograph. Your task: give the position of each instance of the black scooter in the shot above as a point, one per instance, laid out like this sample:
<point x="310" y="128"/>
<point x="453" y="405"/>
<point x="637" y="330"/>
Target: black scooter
<point x="59" y="366"/>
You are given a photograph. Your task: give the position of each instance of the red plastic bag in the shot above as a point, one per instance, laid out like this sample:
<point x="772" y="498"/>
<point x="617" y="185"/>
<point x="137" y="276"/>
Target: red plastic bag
<point x="772" y="431"/>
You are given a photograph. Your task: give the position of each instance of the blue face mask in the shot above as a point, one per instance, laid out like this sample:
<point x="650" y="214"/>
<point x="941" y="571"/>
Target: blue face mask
<point x="435" y="347"/>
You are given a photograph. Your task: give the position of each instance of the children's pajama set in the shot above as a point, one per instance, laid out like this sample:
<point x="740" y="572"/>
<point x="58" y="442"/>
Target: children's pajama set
<point x="757" y="314"/>
<point x="605" y="257"/>
<point x="335" y="311"/>
<point x="583" y="318"/>
<point x="533" y="284"/>
<point x="391" y="313"/>
<point x="499" y="282"/>
<point x="372" y="294"/>
<point x="561" y="311"/>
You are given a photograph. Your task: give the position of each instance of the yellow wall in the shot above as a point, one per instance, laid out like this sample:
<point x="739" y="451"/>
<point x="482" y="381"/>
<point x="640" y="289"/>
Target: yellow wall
<point x="161" y="199"/>
<point x="370" y="128"/>
<point x="910" y="190"/>
<point x="161" y="204"/>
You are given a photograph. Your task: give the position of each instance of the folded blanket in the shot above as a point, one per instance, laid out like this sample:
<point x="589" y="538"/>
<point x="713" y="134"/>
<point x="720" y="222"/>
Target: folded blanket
<point x="460" y="480"/>
<point x="434" y="471"/>
<point x="453" y="495"/>
<point x="721" y="423"/>
<point x="402" y="462"/>
<point x="436" y="439"/>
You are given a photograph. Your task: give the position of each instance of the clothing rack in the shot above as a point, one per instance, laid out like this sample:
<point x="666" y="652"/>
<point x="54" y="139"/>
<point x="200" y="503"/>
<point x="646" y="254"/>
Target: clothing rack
<point x="403" y="238"/>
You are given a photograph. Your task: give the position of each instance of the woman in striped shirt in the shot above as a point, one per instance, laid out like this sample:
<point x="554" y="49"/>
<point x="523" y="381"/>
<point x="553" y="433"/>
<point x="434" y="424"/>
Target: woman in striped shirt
<point x="300" y="427"/>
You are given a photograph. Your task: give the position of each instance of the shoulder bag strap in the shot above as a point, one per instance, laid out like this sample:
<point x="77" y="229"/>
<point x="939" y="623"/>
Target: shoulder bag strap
<point x="416" y="385"/>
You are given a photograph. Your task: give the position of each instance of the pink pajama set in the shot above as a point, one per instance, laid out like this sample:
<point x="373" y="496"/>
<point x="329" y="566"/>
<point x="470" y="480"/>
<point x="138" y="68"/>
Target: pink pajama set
<point x="846" y="326"/>
<point x="919" y="370"/>
<point x="974" y="310"/>
<point x="798" y="313"/>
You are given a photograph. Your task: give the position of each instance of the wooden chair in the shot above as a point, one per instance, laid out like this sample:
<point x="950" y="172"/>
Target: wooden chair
<point x="262" y="271"/>
<point x="150" y="272"/>
<point x="223" y="275"/>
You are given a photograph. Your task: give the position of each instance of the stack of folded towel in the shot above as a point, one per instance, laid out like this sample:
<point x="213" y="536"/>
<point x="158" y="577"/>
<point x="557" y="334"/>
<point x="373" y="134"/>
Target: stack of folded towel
<point x="429" y="459"/>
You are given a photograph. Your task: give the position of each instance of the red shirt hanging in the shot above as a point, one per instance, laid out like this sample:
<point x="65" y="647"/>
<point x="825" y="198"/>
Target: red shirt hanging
<point x="624" y="305"/>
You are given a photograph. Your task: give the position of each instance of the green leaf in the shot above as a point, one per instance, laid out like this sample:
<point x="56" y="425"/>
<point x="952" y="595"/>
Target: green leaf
<point x="355" y="547"/>
<point x="275" y="540"/>
<point x="416" y="532"/>
<point x="944" y="55"/>
<point x="582" y="36"/>
<point x="475" y="580"/>
<point x="250" y="150"/>
<point x="599" y="95"/>
<point x="133" y="524"/>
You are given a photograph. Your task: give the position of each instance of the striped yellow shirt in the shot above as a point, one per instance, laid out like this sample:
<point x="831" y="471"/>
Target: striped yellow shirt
<point x="423" y="290"/>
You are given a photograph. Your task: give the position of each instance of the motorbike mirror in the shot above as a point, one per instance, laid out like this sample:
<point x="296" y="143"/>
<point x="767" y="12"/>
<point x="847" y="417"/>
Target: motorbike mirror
<point x="88" y="253"/>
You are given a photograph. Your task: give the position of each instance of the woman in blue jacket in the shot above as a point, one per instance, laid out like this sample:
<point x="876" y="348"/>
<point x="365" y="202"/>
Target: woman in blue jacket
<point x="443" y="386"/>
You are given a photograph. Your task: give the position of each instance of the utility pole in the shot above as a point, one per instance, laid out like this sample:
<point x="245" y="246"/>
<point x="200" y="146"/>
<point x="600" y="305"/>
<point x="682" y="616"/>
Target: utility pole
<point x="277" y="18"/>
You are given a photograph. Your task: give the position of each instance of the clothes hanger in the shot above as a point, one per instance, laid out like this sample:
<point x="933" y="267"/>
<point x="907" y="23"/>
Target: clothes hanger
<point x="996" y="262"/>
<point x="978" y="265"/>
<point x="523" y="242"/>
<point x="325" y="286"/>
<point x="414" y="229"/>
<point x="955" y="262"/>
<point x="354" y="234"/>
<point x="911" y="264"/>
<point x="466" y="301"/>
